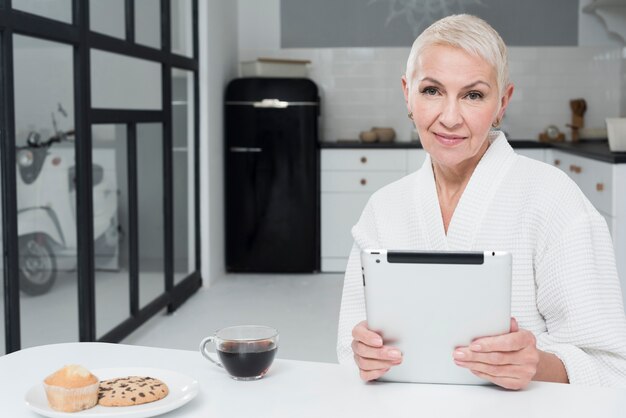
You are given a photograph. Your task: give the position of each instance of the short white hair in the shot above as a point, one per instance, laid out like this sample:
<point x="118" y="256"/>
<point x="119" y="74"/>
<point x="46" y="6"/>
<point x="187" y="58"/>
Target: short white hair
<point x="469" y="33"/>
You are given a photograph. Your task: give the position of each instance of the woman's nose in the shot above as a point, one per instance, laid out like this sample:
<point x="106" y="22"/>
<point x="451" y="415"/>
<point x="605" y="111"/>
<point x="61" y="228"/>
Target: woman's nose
<point x="450" y="116"/>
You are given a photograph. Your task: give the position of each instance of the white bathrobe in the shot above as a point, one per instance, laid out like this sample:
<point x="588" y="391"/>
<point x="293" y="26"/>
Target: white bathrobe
<point x="565" y="287"/>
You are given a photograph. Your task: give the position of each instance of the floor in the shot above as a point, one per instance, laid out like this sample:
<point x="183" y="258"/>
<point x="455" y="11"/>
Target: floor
<point x="304" y="308"/>
<point x="53" y="317"/>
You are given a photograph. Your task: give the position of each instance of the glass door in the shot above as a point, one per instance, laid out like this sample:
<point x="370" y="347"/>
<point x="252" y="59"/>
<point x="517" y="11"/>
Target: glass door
<point x="46" y="192"/>
<point x="99" y="166"/>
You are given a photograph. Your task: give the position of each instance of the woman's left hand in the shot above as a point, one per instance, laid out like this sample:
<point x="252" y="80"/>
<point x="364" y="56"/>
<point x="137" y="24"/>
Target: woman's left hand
<point x="508" y="360"/>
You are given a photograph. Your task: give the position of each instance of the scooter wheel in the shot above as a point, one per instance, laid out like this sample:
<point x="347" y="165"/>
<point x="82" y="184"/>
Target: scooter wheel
<point x="37" y="265"/>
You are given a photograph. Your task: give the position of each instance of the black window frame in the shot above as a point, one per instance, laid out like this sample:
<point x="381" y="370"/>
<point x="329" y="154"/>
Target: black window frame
<point x="83" y="40"/>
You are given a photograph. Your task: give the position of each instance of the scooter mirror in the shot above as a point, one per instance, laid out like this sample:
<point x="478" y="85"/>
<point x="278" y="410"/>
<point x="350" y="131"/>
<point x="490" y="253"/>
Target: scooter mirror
<point x="33" y="139"/>
<point x="67" y="136"/>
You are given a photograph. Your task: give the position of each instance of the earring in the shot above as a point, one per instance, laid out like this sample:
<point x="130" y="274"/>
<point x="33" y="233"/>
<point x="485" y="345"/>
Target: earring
<point x="496" y="124"/>
<point x="410" y="115"/>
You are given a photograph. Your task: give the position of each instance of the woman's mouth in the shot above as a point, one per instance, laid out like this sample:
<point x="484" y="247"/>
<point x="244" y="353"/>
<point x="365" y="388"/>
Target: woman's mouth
<point x="449" y="139"/>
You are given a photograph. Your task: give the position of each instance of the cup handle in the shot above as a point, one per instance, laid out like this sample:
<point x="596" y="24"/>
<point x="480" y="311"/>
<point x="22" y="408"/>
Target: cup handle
<point x="205" y="353"/>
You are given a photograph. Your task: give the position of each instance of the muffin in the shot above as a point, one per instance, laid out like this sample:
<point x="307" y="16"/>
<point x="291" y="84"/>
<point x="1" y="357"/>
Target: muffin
<point x="71" y="389"/>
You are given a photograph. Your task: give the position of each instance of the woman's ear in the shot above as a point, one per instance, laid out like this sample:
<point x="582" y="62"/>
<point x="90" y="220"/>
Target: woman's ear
<point x="504" y="101"/>
<point x="405" y="90"/>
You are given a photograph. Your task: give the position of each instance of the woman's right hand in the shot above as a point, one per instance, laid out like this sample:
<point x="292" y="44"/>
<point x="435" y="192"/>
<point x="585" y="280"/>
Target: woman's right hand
<point x="372" y="357"/>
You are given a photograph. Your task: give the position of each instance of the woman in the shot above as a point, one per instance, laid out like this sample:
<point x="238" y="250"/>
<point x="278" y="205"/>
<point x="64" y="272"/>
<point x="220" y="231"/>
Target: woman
<point x="474" y="193"/>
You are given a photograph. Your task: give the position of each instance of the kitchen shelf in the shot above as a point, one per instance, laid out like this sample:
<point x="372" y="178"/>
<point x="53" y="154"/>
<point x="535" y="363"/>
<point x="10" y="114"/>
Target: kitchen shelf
<point x="603" y="3"/>
<point x="595" y="149"/>
<point x="612" y="13"/>
<point x="349" y="144"/>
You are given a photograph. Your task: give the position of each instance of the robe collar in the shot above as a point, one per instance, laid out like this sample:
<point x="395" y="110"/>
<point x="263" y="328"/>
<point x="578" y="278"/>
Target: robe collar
<point x="473" y="204"/>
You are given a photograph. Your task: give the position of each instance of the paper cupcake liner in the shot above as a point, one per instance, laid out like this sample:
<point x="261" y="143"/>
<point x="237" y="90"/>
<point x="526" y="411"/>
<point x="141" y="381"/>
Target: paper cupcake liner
<point x="72" y="400"/>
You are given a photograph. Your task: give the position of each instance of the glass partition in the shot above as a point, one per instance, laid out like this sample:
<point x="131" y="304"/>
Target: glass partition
<point x="72" y="116"/>
<point x="108" y="17"/>
<point x="110" y="225"/>
<point x="148" y="23"/>
<point x="122" y="82"/>
<point x="183" y="168"/>
<point x="46" y="193"/>
<point x="2" y="327"/>
<point x="151" y="228"/>
<point x="182" y="28"/>
<point x="2" y="278"/>
<point x="52" y="9"/>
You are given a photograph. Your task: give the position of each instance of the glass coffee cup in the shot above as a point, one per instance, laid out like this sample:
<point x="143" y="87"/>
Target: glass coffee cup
<point x="246" y="352"/>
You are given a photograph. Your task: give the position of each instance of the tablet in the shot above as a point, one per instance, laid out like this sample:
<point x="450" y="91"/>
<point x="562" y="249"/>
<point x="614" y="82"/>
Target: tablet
<point x="429" y="303"/>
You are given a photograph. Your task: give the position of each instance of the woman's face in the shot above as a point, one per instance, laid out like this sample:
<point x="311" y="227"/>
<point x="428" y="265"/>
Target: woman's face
<point x="454" y="99"/>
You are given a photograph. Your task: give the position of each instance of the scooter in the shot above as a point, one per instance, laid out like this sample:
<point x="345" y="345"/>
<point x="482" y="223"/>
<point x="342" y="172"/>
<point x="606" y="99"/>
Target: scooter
<point x="46" y="191"/>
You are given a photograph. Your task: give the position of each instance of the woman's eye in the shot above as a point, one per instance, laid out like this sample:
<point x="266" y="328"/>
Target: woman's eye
<point x="429" y="91"/>
<point x="474" y="95"/>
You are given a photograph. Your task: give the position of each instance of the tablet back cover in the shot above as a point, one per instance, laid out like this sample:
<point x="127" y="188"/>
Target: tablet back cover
<point x="427" y="304"/>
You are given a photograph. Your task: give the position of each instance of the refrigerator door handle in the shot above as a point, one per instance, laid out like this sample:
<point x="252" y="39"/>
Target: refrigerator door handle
<point x="272" y="103"/>
<point x="245" y="149"/>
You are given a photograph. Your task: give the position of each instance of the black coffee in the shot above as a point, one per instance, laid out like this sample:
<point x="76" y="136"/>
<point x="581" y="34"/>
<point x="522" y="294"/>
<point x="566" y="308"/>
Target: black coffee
<point x="247" y="359"/>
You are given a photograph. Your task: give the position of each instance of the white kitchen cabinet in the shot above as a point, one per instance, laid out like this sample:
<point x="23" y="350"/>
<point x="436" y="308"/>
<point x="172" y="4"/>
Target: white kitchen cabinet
<point x="348" y="179"/>
<point x="534" y="153"/>
<point x="340" y="211"/>
<point x="363" y="159"/>
<point x="595" y="178"/>
<point x="358" y="181"/>
<point x="414" y="159"/>
<point x="604" y="184"/>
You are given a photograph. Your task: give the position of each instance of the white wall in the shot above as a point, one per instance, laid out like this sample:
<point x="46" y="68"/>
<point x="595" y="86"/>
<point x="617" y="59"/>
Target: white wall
<point x="259" y="24"/>
<point x="622" y="85"/>
<point x="360" y="87"/>
<point x="591" y="30"/>
<point x="218" y="65"/>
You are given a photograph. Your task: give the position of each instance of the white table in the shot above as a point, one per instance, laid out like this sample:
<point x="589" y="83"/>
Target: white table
<point x="304" y="389"/>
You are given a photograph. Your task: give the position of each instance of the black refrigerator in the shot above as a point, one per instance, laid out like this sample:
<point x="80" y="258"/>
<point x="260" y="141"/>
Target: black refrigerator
<point x="272" y="206"/>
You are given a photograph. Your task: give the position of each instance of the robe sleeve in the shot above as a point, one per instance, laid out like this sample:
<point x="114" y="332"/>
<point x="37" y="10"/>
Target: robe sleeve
<point x="352" y="309"/>
<point x="579" y="296"/>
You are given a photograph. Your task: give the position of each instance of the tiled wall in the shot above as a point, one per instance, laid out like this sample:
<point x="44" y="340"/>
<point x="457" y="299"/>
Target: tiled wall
<point x="360" y="87"/>
<point x="623" y="84"/>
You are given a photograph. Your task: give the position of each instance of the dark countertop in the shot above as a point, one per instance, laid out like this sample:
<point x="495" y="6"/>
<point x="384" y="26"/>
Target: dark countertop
<point x="597" y="150"/>
<point x="594" y="149"/>
<point x="349" y="144"/>
<point x="356" y="144"/>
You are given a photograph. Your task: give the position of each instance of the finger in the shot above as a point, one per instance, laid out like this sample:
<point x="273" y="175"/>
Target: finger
<point x="367" y="364"/>
<point x="510" y="371"/>
<point x="361" y="333"/>
<point x="508" y="342"/>
<point x="505" y="382"/>
<point x="383" y="353"/>
<point x="514" y="325"/>
<point x="368" y="376"/>
<point x="496" y="357"/>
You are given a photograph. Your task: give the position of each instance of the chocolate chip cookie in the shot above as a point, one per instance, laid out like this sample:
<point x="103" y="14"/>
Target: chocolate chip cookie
<point x="131" y="390"/>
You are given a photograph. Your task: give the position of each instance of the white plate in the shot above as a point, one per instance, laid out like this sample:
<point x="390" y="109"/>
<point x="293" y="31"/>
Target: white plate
<point x="182" y="389"/>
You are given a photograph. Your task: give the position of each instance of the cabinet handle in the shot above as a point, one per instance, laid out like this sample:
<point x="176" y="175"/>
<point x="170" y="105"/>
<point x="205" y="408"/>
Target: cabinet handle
<point x="575" y="169"/>
<point x="363" y="182"/>
<point x="557" y="162"/>
<point x="363" y="160"/>
<point x="599" y="186"/>
<point x="245" y="149"/>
